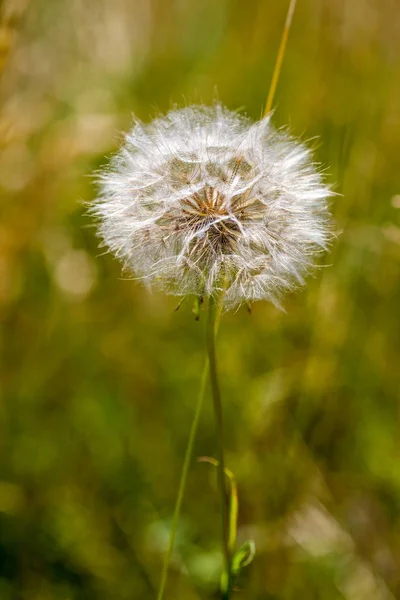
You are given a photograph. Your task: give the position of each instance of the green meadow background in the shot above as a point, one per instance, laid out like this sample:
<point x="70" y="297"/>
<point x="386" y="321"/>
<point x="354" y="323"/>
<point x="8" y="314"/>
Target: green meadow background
<point x="100" y="375"/>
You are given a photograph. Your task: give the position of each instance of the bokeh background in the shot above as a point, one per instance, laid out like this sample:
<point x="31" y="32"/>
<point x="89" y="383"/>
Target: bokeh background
<point x="99" y="376"/>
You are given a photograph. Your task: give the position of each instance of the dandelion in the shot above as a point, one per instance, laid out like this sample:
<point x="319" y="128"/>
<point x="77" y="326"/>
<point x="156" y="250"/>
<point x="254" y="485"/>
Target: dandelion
<point x="203" y="201"/>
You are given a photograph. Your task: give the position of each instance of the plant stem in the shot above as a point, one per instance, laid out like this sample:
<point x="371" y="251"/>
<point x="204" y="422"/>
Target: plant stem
<point x="280" y="56"/>
<point x="182" y="482"/>
<point x="213" y="314"/>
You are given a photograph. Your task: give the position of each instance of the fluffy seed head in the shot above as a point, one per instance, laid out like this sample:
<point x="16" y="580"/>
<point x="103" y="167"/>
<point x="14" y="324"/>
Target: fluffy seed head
<point x="204" y="200"/>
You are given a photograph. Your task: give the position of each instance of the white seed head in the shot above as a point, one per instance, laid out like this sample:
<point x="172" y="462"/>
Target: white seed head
<point x="204" y="200"/>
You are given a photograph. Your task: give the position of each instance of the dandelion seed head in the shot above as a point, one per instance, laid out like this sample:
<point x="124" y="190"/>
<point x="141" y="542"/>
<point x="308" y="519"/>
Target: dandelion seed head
<point x="204" y="200"/>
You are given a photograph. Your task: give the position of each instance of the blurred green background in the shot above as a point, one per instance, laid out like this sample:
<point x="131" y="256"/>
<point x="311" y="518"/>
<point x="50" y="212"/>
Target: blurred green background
<point x="99" y="376"/>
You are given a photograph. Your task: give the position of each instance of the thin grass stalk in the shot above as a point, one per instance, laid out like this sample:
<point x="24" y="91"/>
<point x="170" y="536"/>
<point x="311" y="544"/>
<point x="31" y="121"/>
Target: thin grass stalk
<point x="279" y="58"/>
<point x="183" y="480"/>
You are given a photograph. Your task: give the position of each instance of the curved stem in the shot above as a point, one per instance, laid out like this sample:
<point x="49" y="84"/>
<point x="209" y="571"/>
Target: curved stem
<point x="213" y="314"/>
<point x="182" y="482"/>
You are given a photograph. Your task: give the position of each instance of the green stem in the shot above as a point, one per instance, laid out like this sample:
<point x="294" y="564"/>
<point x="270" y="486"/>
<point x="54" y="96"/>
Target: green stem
<point x="213" y="314"/>
<point x="182" y="482"/>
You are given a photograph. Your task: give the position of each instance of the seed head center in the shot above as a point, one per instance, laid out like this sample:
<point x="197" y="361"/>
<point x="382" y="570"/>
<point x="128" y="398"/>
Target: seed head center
<point x="208" y="211"/>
